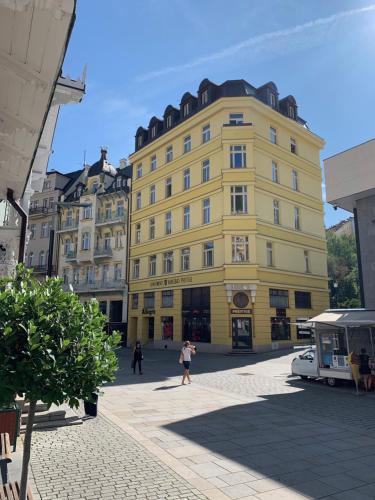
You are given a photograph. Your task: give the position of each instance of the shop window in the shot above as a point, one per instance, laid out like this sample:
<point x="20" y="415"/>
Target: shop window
<point x="167" y="327"/>
<point x="196" y="322"/>
<point x="115" y="314"/>
<point x="280" y="328"/>
<point x="279" y="298"/>
<point x="103" y="306"/>
<point x="302" y="300"/>
<point x="167" y="298"/>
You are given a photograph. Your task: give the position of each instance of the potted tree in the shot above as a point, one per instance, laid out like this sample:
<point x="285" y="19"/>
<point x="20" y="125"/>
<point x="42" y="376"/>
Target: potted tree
<point x="52" y="348"/>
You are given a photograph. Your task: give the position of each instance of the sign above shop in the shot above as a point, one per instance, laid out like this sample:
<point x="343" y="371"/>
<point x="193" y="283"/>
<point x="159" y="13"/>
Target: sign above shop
<point x="241" y="311"/>
<point x="171" y="281"/>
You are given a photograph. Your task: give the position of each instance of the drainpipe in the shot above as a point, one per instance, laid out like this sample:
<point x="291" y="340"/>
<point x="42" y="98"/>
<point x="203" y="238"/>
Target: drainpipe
<point x="23" y="215"/>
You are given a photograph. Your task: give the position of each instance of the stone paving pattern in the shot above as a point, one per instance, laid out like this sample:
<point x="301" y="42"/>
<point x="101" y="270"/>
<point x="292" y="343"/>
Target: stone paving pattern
<point x="99" y="461"/>
<point x="244" y="429"/>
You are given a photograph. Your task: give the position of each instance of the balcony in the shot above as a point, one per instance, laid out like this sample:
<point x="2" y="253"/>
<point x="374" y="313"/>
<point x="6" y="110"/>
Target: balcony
<point x="71" y="255"/>
<point x="68" y="225"/>
<point x="96" y="286"/>
<point x="42" y="269"/>
<point x="112" y="218"/>
<point x="35" y="211"/>
<point x="102" y="252"/>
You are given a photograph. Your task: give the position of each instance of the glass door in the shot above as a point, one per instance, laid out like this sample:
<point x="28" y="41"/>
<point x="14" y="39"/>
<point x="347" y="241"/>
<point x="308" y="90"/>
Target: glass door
<point x="150" y="328"/>
<point x="241" y="333"/>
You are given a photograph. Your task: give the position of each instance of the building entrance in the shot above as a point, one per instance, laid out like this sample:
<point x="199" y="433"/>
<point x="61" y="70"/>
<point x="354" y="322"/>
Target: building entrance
<point x="151" y="328"/>
<point x="242" y="333"/>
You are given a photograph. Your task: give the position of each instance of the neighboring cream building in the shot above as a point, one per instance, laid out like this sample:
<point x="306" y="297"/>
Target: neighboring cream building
<point x="93" y="237"/>
<point x="228" y="243"/>
<point x="344" y="227"/>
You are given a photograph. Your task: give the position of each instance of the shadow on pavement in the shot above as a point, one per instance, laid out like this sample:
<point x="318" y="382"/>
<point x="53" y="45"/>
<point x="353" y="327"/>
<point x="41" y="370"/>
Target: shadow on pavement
<point x="312" y="441"/>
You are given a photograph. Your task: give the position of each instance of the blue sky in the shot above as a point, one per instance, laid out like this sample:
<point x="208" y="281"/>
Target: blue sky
<point x="143" y="55"/>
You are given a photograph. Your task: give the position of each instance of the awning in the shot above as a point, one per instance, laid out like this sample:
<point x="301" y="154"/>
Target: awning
<point x="344" y="317"/>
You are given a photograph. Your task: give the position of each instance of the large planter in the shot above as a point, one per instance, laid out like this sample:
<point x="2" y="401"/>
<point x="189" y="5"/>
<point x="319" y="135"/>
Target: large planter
<point x="10" y="418"/>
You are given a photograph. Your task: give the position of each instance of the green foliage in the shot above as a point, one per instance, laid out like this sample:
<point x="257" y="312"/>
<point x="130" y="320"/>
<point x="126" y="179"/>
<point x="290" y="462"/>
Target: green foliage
<point x="52" y="347"/>
<point x="343" y="270"/>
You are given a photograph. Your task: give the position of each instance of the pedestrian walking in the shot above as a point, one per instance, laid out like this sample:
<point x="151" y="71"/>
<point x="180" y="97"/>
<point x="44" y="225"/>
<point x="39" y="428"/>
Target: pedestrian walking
<point x="137" y="357"/>
<point x="364" y="369"/>
<point x="185" y="359"/>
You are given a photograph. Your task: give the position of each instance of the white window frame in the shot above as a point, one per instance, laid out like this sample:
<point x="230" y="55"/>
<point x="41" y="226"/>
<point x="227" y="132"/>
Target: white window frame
<point x="152" y="194"/>
<point x="186" y="217"/>
<point x="153" y="163"/>
<point x="238" y="156"/>
<point x="238" y="193"/>
<point x="138" y="232"/>
<point x="297" y="219"/>
<point x="168" y="187"/>
<point x="169" y="121"/>
<point x="138" y="203"/>
<point x="168" y="223"/>
<point x="272" y="100"/>
<point x="87" y="212"/>
<point x="86" y="240"/>
<point x="185" y="259"/>
<point x="208" y="254"/>
<point x="269" y="252"/>
<point x="240" y="249"/>
<point x="275" y="172"/>
<point x="168" y="262"/>
<point x="186" y="109"/>
<point x="204" y="97"/>
<point x="273" y="135"/>
<point x="118" y="272"/>
<point x="235" y="118"/>
<point x="293" y="146"/>
<point x="169" y="154"/>
<point x="205" y="170"/>
<point x="294" y="180"/>
<point x="306" y="255"/>
<point x="187" y="144"/>
<point x="152" y="265"/>
<point x="139" y="170"/>
<point x="276" y="212"/>
<point x="151" y="228"/>
<point x="206" y="133"/>
<point x="186" y="179"/>
<point x="136" y="266"/>
<point x="206" y="209"/>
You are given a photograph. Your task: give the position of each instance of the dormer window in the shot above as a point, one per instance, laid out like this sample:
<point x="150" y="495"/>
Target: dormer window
<point x="118" y="182"/>
<point x="204" y="98"/>
<point x="272" y="100"/>
<point x="140" y="141"/>
<point x="186" y="109"/>
<point x="95" y="187"/>
<point x="153" y="131"/>
<point x="291" y="112"/>
<point x="169" y="121"/>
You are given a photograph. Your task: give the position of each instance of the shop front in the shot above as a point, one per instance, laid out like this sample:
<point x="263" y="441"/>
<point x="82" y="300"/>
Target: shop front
<point x="196" y="314"/>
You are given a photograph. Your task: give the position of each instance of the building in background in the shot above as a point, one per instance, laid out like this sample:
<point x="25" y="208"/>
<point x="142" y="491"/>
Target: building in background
<point x="350" y="185"/>
<point x="44" y="220"/>
<point x="92" y="237"/>
<point x="34" y="39"/>
<point x="345" y="226"/>
<point x="228" y="243"/>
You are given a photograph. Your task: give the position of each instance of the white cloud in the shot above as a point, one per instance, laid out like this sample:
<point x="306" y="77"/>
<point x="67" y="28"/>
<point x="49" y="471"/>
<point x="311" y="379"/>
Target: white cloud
<point x="256" y="42"/>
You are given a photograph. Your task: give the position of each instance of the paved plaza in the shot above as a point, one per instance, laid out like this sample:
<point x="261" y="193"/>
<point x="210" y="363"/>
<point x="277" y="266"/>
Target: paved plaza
<point x="243" y="429"/>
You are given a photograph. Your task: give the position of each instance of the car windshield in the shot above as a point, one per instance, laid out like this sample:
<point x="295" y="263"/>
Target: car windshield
<point x="309" y="355"/>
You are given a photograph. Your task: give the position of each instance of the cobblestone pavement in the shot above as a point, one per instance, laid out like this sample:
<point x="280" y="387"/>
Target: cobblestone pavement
<point x="243" y="429"/>
<point x="99" y="461"/>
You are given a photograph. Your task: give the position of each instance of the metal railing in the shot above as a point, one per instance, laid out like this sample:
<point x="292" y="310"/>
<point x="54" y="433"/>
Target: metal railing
<point x="96" y="285"/>
<point x="68" y="225"/>
<point x="71" y="255"/>
<point x="42" y="210"/>
<point x="103" y="252"/>
<point x="111" y="218"/>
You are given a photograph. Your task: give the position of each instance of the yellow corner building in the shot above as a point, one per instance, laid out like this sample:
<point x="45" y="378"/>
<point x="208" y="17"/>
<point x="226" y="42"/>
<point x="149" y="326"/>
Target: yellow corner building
<point x="227" y="244"/>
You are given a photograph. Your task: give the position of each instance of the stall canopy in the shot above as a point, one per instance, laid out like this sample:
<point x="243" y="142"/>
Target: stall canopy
<point x="344" y="317"/>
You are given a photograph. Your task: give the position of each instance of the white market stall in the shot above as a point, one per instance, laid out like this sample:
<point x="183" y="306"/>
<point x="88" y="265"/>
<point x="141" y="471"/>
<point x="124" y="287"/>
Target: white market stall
<point x="339" y="332"/>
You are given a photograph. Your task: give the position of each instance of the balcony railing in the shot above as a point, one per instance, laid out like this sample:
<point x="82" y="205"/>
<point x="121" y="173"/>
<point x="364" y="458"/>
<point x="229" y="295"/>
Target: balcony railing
<point x="103" y="252"/>
<point x="68" y="225"/>
<point x="41" y="210"/>
<point x="111" y="218"/>
<point x="42" y="269"/>
<point x="96" y="285"/>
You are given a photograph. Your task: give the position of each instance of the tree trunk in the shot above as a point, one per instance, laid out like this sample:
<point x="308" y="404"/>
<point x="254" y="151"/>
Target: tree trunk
<point x="27" y="450"/>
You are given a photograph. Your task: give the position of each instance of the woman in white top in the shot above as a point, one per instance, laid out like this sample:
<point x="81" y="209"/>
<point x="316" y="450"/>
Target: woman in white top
<point x="185" y="359"/>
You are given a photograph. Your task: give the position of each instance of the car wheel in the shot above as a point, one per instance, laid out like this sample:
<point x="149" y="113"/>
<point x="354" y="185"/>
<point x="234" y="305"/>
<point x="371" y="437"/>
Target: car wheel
<point x="331" y="381"/>
<point x="303" y="377"/>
